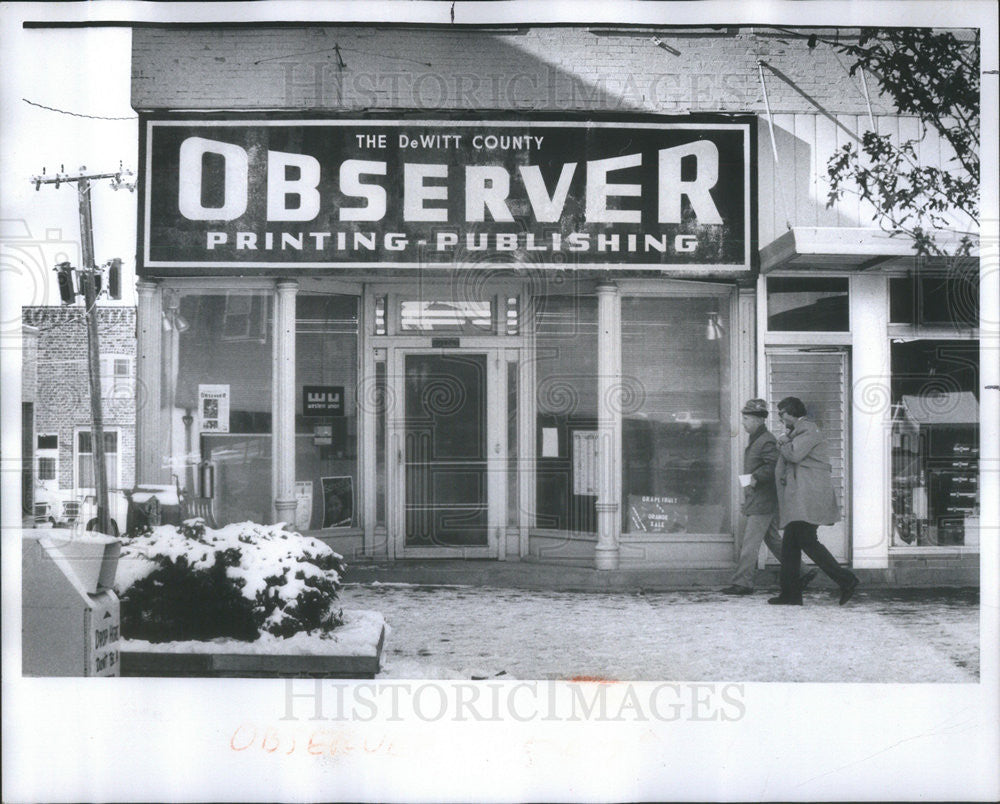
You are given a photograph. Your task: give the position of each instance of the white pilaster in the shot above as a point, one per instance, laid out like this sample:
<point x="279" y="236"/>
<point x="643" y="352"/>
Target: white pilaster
<point x="609" y="396"/>
<point x="870" y="422"/>
<point x="149" y="464"/>
<point x="283" y="402"/>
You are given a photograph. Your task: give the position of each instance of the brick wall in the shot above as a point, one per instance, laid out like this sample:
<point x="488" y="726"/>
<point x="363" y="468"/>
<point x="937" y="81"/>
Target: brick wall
<point x="663" y="71"/>
<point x="29" y="357"/>
<point x="62" y="393"/>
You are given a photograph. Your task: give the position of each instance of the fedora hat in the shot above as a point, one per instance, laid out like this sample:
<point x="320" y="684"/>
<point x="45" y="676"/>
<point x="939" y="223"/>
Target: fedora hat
<point x="755" y="407"/>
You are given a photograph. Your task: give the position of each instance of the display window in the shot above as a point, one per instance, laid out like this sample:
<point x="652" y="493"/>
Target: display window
<point x="216" y="399"/>
<point x="566" y="407"/>
<point x="935" y="443"/>
<point x="326" y="416"/>
<point x="676" y="415"/>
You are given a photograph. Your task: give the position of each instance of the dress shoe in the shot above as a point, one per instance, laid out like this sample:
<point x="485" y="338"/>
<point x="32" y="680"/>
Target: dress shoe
<point x="807" y="578"/>
<point x="847" y="589"/>
<point x="737" y="590"/>
<point x="781" y="600"/>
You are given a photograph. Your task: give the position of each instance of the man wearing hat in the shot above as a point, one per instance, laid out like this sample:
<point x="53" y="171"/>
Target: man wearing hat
<point x="760" y="500"/>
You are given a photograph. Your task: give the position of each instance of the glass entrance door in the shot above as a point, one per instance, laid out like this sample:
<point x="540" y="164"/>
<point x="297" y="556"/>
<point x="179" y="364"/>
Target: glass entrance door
<point x="447" y="454"/>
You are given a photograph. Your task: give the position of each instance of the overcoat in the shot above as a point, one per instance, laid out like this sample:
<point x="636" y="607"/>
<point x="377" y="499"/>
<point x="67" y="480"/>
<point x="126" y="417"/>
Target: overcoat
<point x="804" y="478"/>
<point x="759" y="459"/>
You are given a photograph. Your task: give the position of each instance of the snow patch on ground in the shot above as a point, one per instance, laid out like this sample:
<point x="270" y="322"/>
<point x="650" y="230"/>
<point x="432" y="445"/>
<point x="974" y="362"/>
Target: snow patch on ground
<point x="358" y="636"/>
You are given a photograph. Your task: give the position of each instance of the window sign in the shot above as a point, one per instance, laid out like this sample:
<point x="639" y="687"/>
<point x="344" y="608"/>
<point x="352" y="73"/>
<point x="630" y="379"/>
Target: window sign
<point x="585" y="459"/>
<point x="213" y="408"/>
<point x="323" y="400"/>
<point x="303" y="504"/>
<point x="653" y="514"/>
<point x="244" y="194"/>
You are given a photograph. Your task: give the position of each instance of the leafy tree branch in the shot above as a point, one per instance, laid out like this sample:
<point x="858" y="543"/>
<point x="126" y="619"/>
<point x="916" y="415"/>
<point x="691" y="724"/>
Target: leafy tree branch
<point x="934" y="76"/>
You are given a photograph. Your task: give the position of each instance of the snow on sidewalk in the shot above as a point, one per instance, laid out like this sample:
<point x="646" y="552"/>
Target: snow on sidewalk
<point x="465" y="632"/>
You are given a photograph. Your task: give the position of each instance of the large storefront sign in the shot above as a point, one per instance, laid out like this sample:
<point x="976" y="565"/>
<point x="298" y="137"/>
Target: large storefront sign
<point x="243" y="194"/>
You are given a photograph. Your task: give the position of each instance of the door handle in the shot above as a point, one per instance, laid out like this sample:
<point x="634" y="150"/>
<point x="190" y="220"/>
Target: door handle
<point x="496" y="449"/>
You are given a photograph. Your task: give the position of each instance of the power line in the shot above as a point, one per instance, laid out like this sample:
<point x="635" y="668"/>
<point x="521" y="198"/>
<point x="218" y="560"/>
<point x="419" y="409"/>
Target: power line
<point x="77" y="114"/>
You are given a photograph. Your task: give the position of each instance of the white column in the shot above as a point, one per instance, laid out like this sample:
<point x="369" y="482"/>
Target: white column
<point x="870" y="422"/>
<point x="609" y="393"/>
<point x="283" y="403"/>
<point x="149" y="449"/>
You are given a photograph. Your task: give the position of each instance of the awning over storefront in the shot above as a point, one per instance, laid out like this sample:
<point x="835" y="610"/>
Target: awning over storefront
<point x="840" y="248"/>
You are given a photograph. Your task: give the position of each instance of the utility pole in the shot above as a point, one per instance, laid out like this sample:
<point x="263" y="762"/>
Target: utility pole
<point x="88" y="281"/>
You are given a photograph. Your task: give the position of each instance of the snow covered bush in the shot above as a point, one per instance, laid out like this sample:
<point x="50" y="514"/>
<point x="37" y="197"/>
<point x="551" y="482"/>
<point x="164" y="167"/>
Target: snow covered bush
<point x="195" y="583"/>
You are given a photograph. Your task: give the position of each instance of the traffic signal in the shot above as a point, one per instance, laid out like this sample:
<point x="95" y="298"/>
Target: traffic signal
<point x="115" y="279"/>
<point x="85" y="279"/>
<point x="64" y="276"/>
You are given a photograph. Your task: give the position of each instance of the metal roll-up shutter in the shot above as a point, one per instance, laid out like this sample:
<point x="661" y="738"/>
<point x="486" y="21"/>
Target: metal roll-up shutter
<point x="819" y="378"/>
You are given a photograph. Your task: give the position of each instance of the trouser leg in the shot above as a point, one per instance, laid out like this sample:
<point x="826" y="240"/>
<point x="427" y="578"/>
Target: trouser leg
<point x="791" y="562"/>
<point x="754" y="529"/>
<point x="822" y="557"/>
<point x="772" y="538"/>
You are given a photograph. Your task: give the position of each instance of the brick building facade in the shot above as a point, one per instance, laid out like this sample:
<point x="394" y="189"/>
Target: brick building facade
<point x="56" y="384"/>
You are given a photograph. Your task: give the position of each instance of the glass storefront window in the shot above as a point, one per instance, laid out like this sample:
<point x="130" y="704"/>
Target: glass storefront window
<point x="566" y="397"/>
<point x="676" y="415"/>
<point x="326" y="417"/>
<point x="216" y="398"/>
<point x="935" y="443"/>
<point x="807" y="304"/>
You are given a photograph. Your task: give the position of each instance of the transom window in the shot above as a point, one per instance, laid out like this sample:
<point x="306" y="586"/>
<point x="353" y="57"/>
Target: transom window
<point x="438" y="315"/>
<point x="807" y="304"/>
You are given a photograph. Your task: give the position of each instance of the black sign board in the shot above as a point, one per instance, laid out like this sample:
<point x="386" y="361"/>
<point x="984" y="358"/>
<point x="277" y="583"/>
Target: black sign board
<point x="249" y="194"/>
<point x="322" y="400"/>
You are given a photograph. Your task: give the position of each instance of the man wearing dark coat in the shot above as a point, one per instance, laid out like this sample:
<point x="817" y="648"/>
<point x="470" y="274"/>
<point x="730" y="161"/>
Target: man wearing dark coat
<point x="760" y="500"/>
<point x="806" y="500"/>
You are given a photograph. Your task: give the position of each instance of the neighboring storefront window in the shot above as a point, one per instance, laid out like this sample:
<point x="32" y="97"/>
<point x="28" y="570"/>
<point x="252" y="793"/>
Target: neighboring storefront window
<point x="676" y="419"/>
<point x="566" y="399"/>
<point x="807" y="304"/>
<point x="935" y="443"/>
<point x="326" y="416"/>
<point x="216" y="399"/>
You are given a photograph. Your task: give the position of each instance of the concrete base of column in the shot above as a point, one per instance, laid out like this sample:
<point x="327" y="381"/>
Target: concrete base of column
<point x="606" y="558"/>
<point x="607" y="551"/>
<point x="284" y="510"/>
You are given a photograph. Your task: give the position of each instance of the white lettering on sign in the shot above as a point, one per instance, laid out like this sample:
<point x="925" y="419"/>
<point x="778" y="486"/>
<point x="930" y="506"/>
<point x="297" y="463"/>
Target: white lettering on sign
<point x="416" y="192"/>
<point x="323" y="398"/>
<point x="697" y="190"/>
<point x="236" y="176"/>
<point x="547" y="209"/>
<point x="598" y="190"/>
<point x="486" y="188"/>
<point x="280" y="187"/>
<point x="351" y="184"/>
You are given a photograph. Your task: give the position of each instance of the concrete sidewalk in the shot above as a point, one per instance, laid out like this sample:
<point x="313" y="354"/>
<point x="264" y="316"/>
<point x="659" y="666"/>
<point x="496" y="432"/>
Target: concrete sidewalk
<point x="880" y="636"/>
